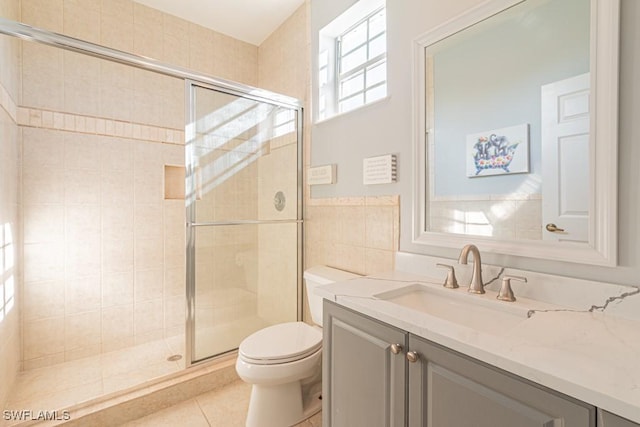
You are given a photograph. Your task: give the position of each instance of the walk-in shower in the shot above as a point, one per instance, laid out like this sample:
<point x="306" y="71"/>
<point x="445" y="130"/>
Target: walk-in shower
<point x="151" y="194"/>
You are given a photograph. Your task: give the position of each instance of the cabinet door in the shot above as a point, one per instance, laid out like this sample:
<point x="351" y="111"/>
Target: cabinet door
<point x="364" y="381"/>
<point x="607" y="419"/>
<point x="449" y="389"/>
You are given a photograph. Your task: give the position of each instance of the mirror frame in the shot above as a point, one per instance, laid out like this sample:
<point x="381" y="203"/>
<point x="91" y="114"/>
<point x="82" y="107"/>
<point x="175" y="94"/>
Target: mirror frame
<point x="601" y="248"/>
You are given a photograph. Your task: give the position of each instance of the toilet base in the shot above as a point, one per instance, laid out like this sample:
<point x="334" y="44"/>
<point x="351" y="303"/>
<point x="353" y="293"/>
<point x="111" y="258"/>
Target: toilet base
<point x="281" y="405"/>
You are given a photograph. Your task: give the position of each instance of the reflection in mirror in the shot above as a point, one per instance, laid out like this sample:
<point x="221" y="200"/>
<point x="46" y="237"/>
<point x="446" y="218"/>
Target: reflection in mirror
<point x="508" y="122"/>
<point x="487" y="150"/>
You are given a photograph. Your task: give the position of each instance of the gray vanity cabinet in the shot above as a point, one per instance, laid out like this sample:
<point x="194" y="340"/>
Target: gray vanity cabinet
<point x="449" y="389"/>
<point x="364" y="381"/>
<point x="377" y="375"/>
<point x="607" y="419"/>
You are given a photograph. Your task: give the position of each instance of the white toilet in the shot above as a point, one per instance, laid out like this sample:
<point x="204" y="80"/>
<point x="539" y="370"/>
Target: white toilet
<point x="283" y="362"/>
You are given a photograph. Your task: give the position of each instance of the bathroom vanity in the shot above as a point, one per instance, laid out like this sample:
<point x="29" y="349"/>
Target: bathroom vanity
<point x="387" y="362"/>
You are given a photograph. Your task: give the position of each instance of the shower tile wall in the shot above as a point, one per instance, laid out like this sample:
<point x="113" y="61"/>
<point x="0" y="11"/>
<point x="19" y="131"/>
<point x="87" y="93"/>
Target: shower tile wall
<point x="104" y="252"/>
<point x="10" y="254"/>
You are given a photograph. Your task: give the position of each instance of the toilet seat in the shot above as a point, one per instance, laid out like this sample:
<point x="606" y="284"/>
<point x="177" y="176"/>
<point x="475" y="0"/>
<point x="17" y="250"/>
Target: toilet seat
<point x="282" y="343"/>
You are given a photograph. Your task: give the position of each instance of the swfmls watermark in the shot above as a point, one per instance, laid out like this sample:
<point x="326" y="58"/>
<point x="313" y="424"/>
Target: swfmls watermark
<point x="30" y="415"/>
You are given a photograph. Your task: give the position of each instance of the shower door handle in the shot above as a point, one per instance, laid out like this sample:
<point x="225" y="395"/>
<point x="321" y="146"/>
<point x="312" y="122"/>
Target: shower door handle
<point x="244" y="222"/>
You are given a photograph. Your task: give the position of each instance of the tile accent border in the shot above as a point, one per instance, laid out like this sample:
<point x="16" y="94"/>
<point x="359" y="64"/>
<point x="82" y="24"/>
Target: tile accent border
<point x="37" y="118"/>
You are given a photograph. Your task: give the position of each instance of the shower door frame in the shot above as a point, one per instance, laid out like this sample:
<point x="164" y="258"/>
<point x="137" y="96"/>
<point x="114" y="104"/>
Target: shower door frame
<point x="190" y="199"/>
<point x="50" y="38"/>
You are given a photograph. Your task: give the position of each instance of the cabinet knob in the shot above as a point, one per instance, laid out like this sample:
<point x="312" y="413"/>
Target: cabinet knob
<point x="396" y="348"/>
<point x="412" y="356"/>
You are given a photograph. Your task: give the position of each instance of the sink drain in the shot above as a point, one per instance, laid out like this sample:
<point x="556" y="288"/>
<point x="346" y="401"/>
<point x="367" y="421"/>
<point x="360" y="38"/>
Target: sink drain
<point x="174" y="358"/>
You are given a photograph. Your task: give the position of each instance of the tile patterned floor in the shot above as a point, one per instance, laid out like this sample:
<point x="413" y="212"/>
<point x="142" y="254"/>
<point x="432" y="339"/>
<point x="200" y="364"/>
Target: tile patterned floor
<point x="225" y="407"/>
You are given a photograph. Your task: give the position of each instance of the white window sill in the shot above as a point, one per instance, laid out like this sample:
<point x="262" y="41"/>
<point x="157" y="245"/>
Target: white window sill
<point x="362" y="107"/>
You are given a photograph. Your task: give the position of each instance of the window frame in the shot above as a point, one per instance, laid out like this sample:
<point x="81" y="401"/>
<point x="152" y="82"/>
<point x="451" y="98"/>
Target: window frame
<point x="363" y="67"/>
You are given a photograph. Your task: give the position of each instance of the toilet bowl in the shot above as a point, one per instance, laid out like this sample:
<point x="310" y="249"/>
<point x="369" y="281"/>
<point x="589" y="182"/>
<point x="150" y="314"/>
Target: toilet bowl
<point x="283" y="362"/>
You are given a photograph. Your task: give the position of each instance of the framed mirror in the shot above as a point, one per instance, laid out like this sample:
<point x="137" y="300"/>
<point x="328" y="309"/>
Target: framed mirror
<point x="516" y="122"/>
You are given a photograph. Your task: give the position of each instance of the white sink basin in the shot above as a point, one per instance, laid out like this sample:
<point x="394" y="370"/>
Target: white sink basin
<point x="480" y="312"/>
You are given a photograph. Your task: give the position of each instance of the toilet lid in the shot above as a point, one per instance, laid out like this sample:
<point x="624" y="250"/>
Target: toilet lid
<point x="281" y="343"/>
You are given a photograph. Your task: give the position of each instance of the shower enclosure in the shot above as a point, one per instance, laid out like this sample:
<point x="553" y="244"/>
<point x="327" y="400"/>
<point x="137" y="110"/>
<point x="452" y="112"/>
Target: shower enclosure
<point x="244" y="217"/>
<point x="161" y="212"/>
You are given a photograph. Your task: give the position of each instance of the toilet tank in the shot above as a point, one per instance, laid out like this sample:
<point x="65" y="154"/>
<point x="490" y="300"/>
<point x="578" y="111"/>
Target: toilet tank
<point x="322" y="275"/>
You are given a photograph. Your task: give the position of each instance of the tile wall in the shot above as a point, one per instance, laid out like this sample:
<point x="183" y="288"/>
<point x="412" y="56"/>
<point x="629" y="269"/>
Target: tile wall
<point x="10" y="254"/>
<point x="104" y="251"/>
<point x="357" y="234"/>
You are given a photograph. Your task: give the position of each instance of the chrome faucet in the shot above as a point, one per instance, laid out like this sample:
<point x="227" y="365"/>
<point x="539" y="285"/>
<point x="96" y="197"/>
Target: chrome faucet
<point x="476" y="285"/>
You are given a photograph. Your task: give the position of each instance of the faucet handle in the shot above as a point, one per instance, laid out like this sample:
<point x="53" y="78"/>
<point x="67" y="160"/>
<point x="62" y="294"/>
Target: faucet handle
<point x="506" y="293"/>
<point x="450" y="282"/>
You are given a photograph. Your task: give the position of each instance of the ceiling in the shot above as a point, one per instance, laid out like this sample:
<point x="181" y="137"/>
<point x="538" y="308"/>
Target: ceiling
<point x="251" y="21"/>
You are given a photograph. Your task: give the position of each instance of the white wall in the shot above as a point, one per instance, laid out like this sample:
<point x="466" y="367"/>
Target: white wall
<point x="386" y="127"/>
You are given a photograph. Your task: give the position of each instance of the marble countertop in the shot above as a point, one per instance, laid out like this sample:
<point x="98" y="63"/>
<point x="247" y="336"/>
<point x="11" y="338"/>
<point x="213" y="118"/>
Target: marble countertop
<point x="589" y="351"/>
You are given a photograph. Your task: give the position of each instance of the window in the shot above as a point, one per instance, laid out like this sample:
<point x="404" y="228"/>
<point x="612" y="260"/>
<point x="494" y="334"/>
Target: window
<point x="352" y="59"/>
<point x="362" y="62"/>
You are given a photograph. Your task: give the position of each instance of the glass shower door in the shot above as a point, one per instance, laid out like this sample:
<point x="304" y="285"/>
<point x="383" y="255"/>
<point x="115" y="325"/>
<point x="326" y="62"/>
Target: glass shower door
<point x="244" y="218"/>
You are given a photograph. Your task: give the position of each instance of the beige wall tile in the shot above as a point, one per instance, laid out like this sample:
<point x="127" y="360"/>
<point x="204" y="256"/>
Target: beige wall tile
<point x="42" y="148"/>
<point x="379" y="227"/>
<point x="83" y="331"/>
<point x="45" y="14"/>
<point x="117" y="255"/>
<point x="81" y="84"/>
<point x="148" y="221"/>
<point x="82" y="294"/>
<point x="82" y="186"/>
<point x="176" y="40"/>
<point x="43" y="223"/>
<point x="148" y="285"/>
<point x="43" y="262"/>
<point x="352" y="234"/>
<point x="378" y="261"/>
<point x="149" y="253"/>
<point x="117" y="327"/>
<point x="116" y="188"/>
<point x="82" y="222"/>
<point x="116" y="28"/>
<point x="117" y="221"/>
<point x="116" y="90"/>
<point x="42" y="300"/>
<point x="43" y="338"/>
<point x="148" y="317"/>
<point x="147" y="31"/>
<point x="117" y="289"/>
<point x="81" y="19"/>
<point x="39" y="61"/>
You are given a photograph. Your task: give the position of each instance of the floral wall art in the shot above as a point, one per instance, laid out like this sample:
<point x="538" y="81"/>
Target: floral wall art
<point x="498" y="151"/>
